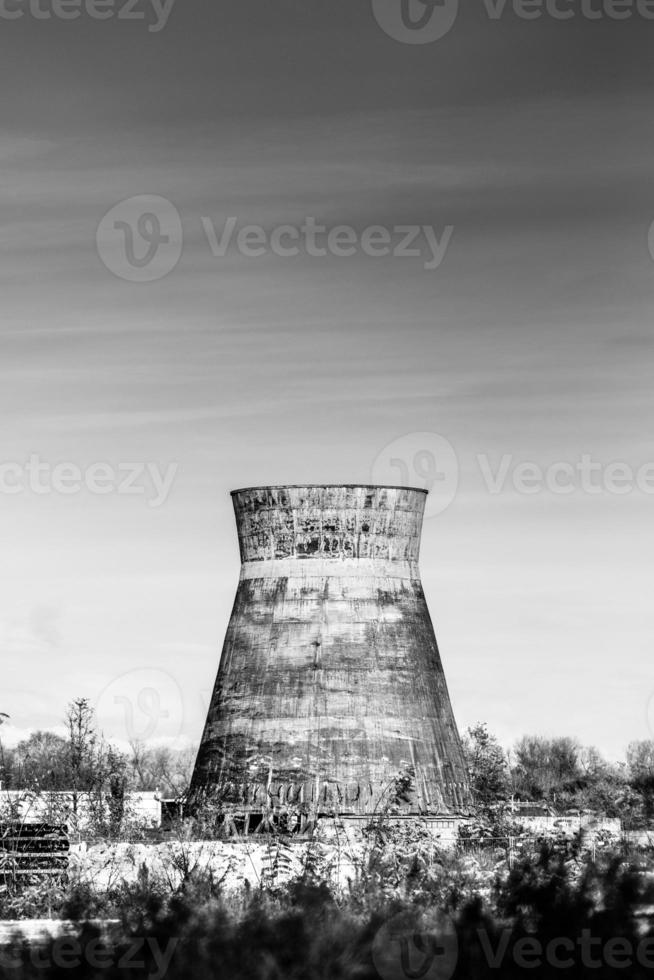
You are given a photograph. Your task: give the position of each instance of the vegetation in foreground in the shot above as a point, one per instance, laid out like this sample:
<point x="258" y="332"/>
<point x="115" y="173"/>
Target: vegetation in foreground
<point x="544" y="909"/>
<point x="545" y="912"/>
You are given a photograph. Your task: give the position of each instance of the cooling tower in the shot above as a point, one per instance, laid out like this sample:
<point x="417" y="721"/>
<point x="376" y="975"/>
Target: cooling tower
<point x="330" y="683"/>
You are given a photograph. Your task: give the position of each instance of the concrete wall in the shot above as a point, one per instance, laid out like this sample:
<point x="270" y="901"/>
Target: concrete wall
<point x="338" y="853"/>
<point x="141" y="808"/>
<point x="550" y="826"/>
<point x="330" y="682"/>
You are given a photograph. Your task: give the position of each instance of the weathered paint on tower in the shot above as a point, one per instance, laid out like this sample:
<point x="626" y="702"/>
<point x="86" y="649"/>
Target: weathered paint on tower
<point x="330" y="682"/>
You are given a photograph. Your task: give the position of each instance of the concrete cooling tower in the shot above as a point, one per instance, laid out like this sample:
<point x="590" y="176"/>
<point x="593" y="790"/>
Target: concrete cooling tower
<point x="330" y="684"/>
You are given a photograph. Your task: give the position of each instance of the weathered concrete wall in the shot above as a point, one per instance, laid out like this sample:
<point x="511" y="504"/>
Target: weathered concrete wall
<point x="338" y="854"/>
<point x="105" y="866"/>
<point x="78" y="810"/>
<point x="335" y="522"/>
<point x="550" y="826"/>
<point x="330" y="682"/>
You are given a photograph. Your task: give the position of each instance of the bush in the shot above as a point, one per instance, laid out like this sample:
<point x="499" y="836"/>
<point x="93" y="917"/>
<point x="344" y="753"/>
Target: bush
<point x="304" y="930"/>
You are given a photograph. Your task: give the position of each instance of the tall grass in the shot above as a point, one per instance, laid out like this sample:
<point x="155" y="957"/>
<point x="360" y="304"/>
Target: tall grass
<point x="305" y="930"/>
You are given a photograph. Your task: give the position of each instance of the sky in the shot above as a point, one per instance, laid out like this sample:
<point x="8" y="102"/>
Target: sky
<point x="524" y="146"/>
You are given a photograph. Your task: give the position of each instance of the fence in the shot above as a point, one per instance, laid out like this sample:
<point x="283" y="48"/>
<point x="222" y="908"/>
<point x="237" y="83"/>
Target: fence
<point x="32" y="851"/>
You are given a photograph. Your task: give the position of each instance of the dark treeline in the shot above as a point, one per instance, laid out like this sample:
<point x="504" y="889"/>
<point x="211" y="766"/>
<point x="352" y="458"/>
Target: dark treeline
<point x="562" y="774"/>
<point x="83" y="761"/>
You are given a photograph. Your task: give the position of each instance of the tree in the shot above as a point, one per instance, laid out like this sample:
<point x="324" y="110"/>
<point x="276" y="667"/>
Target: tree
<point x="116" y="779"/>
<point x="41" y="762"/>
<point x="161" y="768"/>
<point x="602" y="786"/>
<point x="487" y="766"/>
<point x="82" y="746"/>
<point x="547" y="769"/>
<point x="96" y="769"/>
<point x="640" y="760"/>
<point x="640" y="767"/>
<point x="3" y="718"/>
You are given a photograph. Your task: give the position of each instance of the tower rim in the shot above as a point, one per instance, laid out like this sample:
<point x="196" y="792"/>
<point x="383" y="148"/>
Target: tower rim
<point x="326" y="486"/>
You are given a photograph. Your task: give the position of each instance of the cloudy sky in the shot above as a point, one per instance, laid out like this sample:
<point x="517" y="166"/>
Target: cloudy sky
<point x="530" y="341"/>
